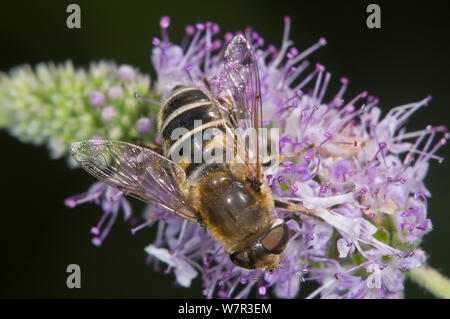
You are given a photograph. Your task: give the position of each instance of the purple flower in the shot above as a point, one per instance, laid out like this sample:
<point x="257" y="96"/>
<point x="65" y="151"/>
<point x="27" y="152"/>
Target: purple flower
<point x="97" y="99"/>
<point x="345" y="247"/>
<point x="359" y="170"/>
<point x="126" y="72"/>
<point x="412" y="223"/>
<point x="316" y="235"/>
<point x="389" y="273"/>
<point x="110" y="200"/>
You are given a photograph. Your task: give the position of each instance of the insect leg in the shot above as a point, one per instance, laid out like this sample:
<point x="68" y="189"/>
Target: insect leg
<point x="275" y="160"/>
<point x="285" y="205"/>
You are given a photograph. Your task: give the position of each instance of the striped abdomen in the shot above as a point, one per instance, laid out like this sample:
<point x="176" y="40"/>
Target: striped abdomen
<point x="183" y="120"/>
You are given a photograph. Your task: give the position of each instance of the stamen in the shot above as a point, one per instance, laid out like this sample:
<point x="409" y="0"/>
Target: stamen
<point x="262" y="290"/>
<point x="441" y="142"/>
<point x="381" y="148"/>
<point x="328" y="136"/>
<point x="156" y="42"/>
<point x="441" y="128"/>
<point x="301" y="56"/>
<point x="284" y="45"/>
<point x="188" y="68"/>
<point x="423" y="197"/>
<point x="321" y="69"/>
<point x="324" y="87"/>
<point x="315" y="108"/>
<point x="180" y="237"/>
<point x="73" y="201"/>
<point x="298" y="95"/>
<point x="321" y="288"/>
<point x="164" y="23"/>
<point x="363" y="94"/>
<point x="318" y="156"/>
<point x="299" y="70"/>
<point x="208" y="47"/>
<point x="141" y="226"/>
<point x="438" y="158"/>
<point x="307" y="79"/>
<point x="286" y="77"/>
<point x="428" y="143"/>
<point x="108" y="226"/>
<point x="193" y="44"/>
<point x="414" y="108"/>
<point x="228" y="37"/>
<point x="338" y="97"/>
<point x="189" y="30"/>
<point x="391" y="180"/>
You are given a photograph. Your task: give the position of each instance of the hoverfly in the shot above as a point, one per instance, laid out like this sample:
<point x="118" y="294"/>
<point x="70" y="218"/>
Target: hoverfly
<point x="232" y="200"/>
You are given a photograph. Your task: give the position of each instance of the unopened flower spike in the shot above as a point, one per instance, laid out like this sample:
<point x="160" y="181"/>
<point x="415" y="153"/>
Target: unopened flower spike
<point x="74" y="104"/>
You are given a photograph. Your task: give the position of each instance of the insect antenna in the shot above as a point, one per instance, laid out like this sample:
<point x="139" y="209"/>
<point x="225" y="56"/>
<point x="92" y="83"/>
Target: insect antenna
<point x="140" y="97"/>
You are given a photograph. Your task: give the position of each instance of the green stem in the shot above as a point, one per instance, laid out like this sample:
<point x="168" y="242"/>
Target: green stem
<point x="431" y="280"/>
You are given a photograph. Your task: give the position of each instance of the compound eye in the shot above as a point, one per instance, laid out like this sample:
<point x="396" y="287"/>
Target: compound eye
<point x="242" y="259"/>
<point x="276" y="239"/>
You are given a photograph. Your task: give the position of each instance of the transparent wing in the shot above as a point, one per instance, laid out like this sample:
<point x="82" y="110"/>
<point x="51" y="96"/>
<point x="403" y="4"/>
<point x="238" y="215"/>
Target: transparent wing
<point x="136" y="171"/>
<point x="237" y="89"/>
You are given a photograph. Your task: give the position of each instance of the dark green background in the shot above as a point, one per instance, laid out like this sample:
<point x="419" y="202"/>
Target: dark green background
<point x="403" y="62"/>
